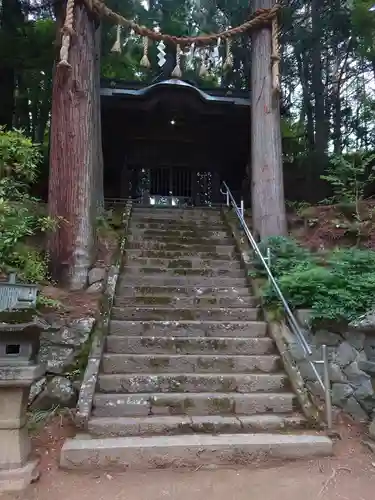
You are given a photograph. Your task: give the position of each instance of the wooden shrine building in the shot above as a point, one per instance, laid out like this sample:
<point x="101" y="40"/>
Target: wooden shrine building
<point x="172" y="143"/>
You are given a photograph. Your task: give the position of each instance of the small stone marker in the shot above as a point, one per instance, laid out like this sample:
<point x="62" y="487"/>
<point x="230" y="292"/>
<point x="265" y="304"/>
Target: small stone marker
<point x="19" y="344"/>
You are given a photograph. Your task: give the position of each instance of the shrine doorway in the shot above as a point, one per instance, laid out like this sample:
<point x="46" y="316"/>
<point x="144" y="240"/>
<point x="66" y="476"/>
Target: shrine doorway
<point x="173" y="144"/>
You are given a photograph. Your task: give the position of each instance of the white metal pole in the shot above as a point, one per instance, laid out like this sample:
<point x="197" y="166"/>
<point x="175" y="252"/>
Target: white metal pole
<point x="327" y="387"/>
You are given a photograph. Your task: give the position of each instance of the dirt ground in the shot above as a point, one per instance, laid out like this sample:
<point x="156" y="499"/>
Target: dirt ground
<point x="349" y="475"/>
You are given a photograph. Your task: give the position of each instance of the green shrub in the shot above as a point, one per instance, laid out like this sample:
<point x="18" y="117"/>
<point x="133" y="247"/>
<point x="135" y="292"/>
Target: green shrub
<point x="20" y="214"/>
<point x="285" y="253"/>
<point x="338" y="286"/>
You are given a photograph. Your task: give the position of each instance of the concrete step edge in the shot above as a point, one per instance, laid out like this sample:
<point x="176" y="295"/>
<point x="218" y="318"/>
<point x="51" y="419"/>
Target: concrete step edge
<point x="197" y="308"/>
<point x="146" y="383"/>
<point x="189" y="344"/>
<point x="180" y="424"/>
<point x="195" y="322"/>
<point x="165" y="291"/>
<point x="144" y="453"/>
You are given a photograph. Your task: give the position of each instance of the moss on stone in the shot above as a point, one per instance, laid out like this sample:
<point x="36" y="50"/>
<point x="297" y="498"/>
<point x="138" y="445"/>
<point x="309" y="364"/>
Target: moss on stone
<point x="158" y="363"/>
<point x="186" y="264"/>
<point x="153" y="300"/>
<point x="222" y="405"/>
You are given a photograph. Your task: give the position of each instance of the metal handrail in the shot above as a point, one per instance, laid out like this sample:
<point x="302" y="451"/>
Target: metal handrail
<point x="288" y="312"/>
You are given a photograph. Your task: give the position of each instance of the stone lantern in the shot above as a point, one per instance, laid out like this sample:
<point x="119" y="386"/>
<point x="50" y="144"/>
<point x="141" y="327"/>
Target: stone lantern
<point x="19" y="343"/>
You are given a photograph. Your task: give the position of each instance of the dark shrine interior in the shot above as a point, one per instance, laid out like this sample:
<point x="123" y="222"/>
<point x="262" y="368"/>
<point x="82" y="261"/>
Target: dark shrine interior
<point x="175" y="129"/>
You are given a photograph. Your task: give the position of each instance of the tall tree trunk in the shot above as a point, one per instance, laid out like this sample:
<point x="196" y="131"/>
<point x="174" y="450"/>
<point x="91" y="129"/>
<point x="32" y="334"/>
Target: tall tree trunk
<point x="321" y="126"/>
<point x="71" y="181"/>
<point x="266" y="154"/>
<point x="98" y="156"/>
<point x="303" y="71"/>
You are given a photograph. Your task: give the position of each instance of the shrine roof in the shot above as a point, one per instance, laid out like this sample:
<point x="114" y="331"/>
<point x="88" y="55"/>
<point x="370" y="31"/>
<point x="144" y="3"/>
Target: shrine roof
<point x="139" y="90"/>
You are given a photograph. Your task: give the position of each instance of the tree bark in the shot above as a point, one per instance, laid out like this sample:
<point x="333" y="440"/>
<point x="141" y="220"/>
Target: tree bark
<point x="98" y="155"/>
<point x="268" y="202"/>
<point x="71" y="181"/>
<point x="321" y="125"/>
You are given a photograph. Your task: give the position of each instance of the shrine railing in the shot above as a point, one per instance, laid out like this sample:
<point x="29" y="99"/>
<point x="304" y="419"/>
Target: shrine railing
<point x="289" y="316"/>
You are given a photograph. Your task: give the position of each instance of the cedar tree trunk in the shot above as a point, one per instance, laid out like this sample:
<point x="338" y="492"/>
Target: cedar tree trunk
<point x="73" y="157"/>
<point x="268" y="204"/>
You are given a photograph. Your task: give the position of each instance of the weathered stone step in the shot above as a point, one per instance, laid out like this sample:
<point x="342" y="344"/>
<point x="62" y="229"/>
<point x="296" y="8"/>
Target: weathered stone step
<point x="185" y="240"/>
<point x="178" y="234"/>
<point x="210" y="246"/>
<point x="199" y="215"/>
<point x="174" y="314"/>
<point x="181" y="222"/>
<point x="187" y="291"/>
<point x="192" y="382"/>
<point x="185" y="301"/>
<point x="190" y="363"/>
<point x="165" y="280"/>
<point x="159" y="271"/>
<point x="184" y="424"/>
<point x="185" y="328"/>
<point x="190" y="451"/>
<point x="199" y="403"/>
<point x="181" y="225"/>
<point x="185" y="263"/>
<point x="229" y="253"/>
<point x="189" y="345"/>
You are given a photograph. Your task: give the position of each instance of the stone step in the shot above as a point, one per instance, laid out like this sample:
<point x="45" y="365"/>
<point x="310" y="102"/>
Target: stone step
<point x="174" y="314"/>
<point x="178" y="234"/>
<point x="190" y="451"/>
<point x="184" y="424"/>
<point x="189" y="345"/>
<point x="185" y="328"/>
<point x="159" y="271"/>
<point x="181" y="225"/>
<point x="175" y="291"/>
<point x="190" y="363"/>
<point x="184" y="301"/>
<point x="142" y="209"/>
<point x="187" y="221"/>
<point x="185" y="240"/>
<point x="210" y="246"/>
<point x="192" y="382"/>
<point x="176" y="281"/>
<point x="229" y="253"/>
<point x="185" y="263"/>
<point x="198" y="403"/>
<point x="199" y="215"/>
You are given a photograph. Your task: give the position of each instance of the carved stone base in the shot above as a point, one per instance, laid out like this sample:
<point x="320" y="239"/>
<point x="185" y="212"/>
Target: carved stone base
<point x="19" y="479"/>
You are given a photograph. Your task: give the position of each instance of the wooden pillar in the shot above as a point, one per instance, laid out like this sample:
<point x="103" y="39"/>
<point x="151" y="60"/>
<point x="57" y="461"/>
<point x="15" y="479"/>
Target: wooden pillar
<point x="74" y="154"/>
<point x="268" y="204"/>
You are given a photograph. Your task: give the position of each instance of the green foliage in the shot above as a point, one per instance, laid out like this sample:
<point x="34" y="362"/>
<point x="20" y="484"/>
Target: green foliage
<point x="337" y="286"/>
<point x="20" y="214"/>
<point x="349" y="177"/>
<point x="285" y="254"/>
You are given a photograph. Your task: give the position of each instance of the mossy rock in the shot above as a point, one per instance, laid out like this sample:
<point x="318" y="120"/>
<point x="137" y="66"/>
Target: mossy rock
<point x="18" y="316"/>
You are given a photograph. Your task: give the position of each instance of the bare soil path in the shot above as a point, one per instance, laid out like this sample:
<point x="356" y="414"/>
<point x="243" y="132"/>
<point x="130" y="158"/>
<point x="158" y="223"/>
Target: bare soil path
<point x="349" y="475"/>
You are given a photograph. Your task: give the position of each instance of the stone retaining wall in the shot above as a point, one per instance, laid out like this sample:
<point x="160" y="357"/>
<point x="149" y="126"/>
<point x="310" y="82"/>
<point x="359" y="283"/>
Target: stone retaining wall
<point x="351" y="356"/>
<point x="71" y="348"/>
<point x="351" y="366"/>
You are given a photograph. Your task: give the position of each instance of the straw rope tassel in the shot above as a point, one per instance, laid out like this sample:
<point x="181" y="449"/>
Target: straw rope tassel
<point x="177" y="73"/>
<point x="203" y="69"/>
<point x="67" y="34"/>
<point x="229" y="56"/>
<point x="117" y="45"/>
<point x="275" y="56"/>
<point x="145" y="62"/>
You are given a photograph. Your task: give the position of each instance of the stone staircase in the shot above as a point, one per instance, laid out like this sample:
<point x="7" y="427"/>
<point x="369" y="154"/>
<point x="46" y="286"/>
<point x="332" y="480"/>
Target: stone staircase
<point x="189" y="375"/>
